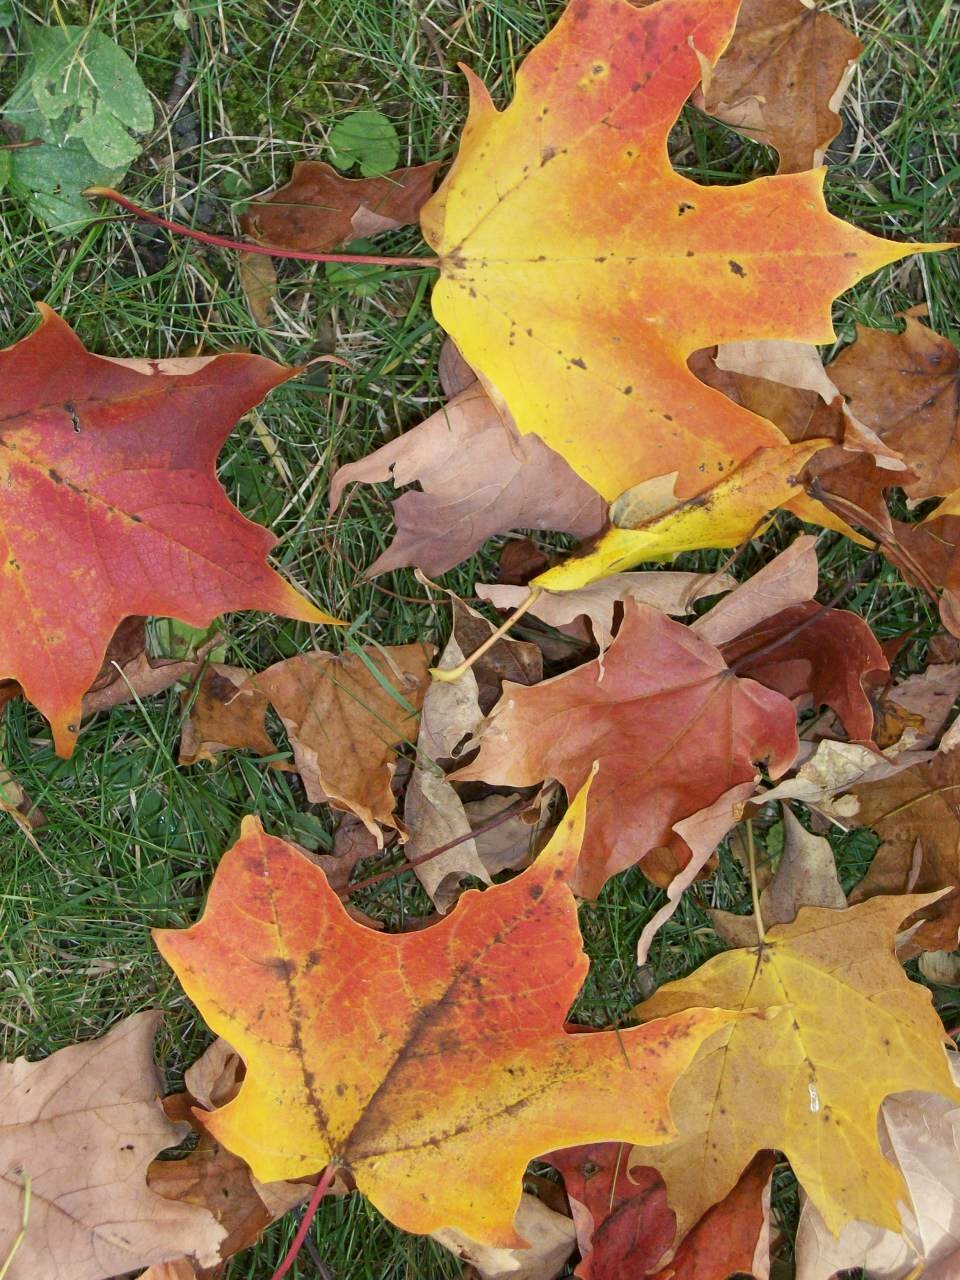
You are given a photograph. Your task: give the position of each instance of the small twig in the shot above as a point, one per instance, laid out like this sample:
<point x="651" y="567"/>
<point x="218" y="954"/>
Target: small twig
<point x="18" y="146"/>
<point x="754" y="890"/>
<point x="222" y="242"/>
<point x="319" y="1191"/>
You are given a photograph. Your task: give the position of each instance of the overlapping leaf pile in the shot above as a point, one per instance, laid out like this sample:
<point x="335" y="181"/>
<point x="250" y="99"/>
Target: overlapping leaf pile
<point x="631" y="364"/>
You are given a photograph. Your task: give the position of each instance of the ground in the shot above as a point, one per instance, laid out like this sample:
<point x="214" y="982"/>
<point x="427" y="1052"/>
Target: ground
<point x="130" y="839"/>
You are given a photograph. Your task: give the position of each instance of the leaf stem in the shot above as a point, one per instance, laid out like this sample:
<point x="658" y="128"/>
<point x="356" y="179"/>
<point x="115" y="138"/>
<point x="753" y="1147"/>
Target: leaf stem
<point x="448" y="674"/>
<point x="222" y="242"/>
<point x="754" y="889"/>
<point x="319" y="1191"/>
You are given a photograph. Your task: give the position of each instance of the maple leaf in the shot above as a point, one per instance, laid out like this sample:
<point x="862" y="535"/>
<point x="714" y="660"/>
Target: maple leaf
<point x="855" y="1030"/>
<point x="672" y="727"/>
<point x="649" y="523"/>
<point x="918" y="821"/>
<point x="82" y="1126"/>
<point x="782" y="78"/>
<point x="109" y="507"/>
<point x="906" y="387"/>
<point x="345" y="715"/>
<point x="828" y="653"/>
<point x="413" y="1060"/>
<point x="578" y="270"/>
<point x="320" y="208"/>
<point x="921" y="1133"/>
<point x="625" y="1226"/>
<point x="478" y="478"/>
<point x="226" y="712"/>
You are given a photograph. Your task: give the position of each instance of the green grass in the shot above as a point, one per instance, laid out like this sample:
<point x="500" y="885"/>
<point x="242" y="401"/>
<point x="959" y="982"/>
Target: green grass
<point x="130" y="839"/>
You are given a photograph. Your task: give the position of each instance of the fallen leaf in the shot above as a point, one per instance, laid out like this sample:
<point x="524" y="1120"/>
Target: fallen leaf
<point x="806" y="876"/>
<point x="809" y="649"/>
<point x="672" y="728"/>
<point x="648" y="523"/>
<point x="673" y="593"/>
<point x="921" y="703"/>
<point x="789" y="579"/>
<point x="918" y="804"/>
<point x="120" y="465"/>
<point x="426" y="1074"/>
<point x="258" y="280"/>
<point x="733" y="1236"/>
<point x="453" y="371"/>
<point x="345" y="716"/>
<point x="809" y="1079"/>
<point x="319" y="209"/>
<point x="226" y="714"/>
<point x="478" y="478"/>
<point x="624" y="1224"/>
<point x="832" y="769"/>
<point x="920" y="1132"/>
<point x="581" y="311"/>
<point x="782" y="78"/>
<point x="129" y="671"/>
<point x="82" y="1126"/>
<point x="906" y="387"/>
<point x="549" y="1235"/>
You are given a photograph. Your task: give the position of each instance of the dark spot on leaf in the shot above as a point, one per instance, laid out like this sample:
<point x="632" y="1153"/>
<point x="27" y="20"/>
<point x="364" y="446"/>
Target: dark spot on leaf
<point x="736" y="268"/>
<point x="579" y="362"/>
<point x="684" y="207"/>
<point x="535" y="891"/>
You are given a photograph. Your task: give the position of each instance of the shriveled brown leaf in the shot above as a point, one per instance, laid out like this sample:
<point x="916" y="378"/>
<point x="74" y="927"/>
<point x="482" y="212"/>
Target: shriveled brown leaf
<point x="782" y="78"/>
<point x="832" y="769"/>
<point x="319" y="209"/>
<point x="550" y="1235"/>
<point x="906" y="387"/>
<point x="806" y="876"/>
<point x="345" y="716"/>
<point x="227" y="714"/>
<point x="478" y="477"/>
<point x="83" y="1125"/>
<point x="919" y="804"/>
<point x="672" y="593"/>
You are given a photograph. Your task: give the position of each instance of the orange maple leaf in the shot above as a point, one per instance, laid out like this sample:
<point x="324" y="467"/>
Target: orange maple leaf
<point x="415" y="1060"/>
<point x="110" y="507"/>
<point x="672" y="727"/>
<point x="579" y="270"/>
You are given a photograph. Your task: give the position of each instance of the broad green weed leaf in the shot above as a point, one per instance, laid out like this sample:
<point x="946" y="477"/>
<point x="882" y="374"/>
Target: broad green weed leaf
<point x="366" y="138"/>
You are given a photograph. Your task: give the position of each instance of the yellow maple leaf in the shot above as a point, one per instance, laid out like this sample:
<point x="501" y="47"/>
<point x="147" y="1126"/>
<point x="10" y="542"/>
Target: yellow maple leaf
<point x="809" y="1079"/>
<point x="579" y="270"/>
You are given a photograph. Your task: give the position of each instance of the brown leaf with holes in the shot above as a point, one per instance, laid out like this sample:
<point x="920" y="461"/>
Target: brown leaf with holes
<point x="345" y="715"/>
<point x="478" y="477"/>
<point x="782" y="78"/>
<point x="83" y="1125"/>
<point x="319" y="208"/>
<point x="919" y="704"/>
<point x="918" y="807"/>
<point x="906" y="387"/>
<point x="227" y="714"/>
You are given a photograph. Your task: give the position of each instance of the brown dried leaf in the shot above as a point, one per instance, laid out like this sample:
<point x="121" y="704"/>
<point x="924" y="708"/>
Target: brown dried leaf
<point x="478" y="477"/>
<point x="84" y="1125"/>
<point x="906" y="387"/>
<point x="319" y="209"/>
<point x="227" y="714"/>
<point x="782" y="78"/>
<point x="345" y="715"/>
